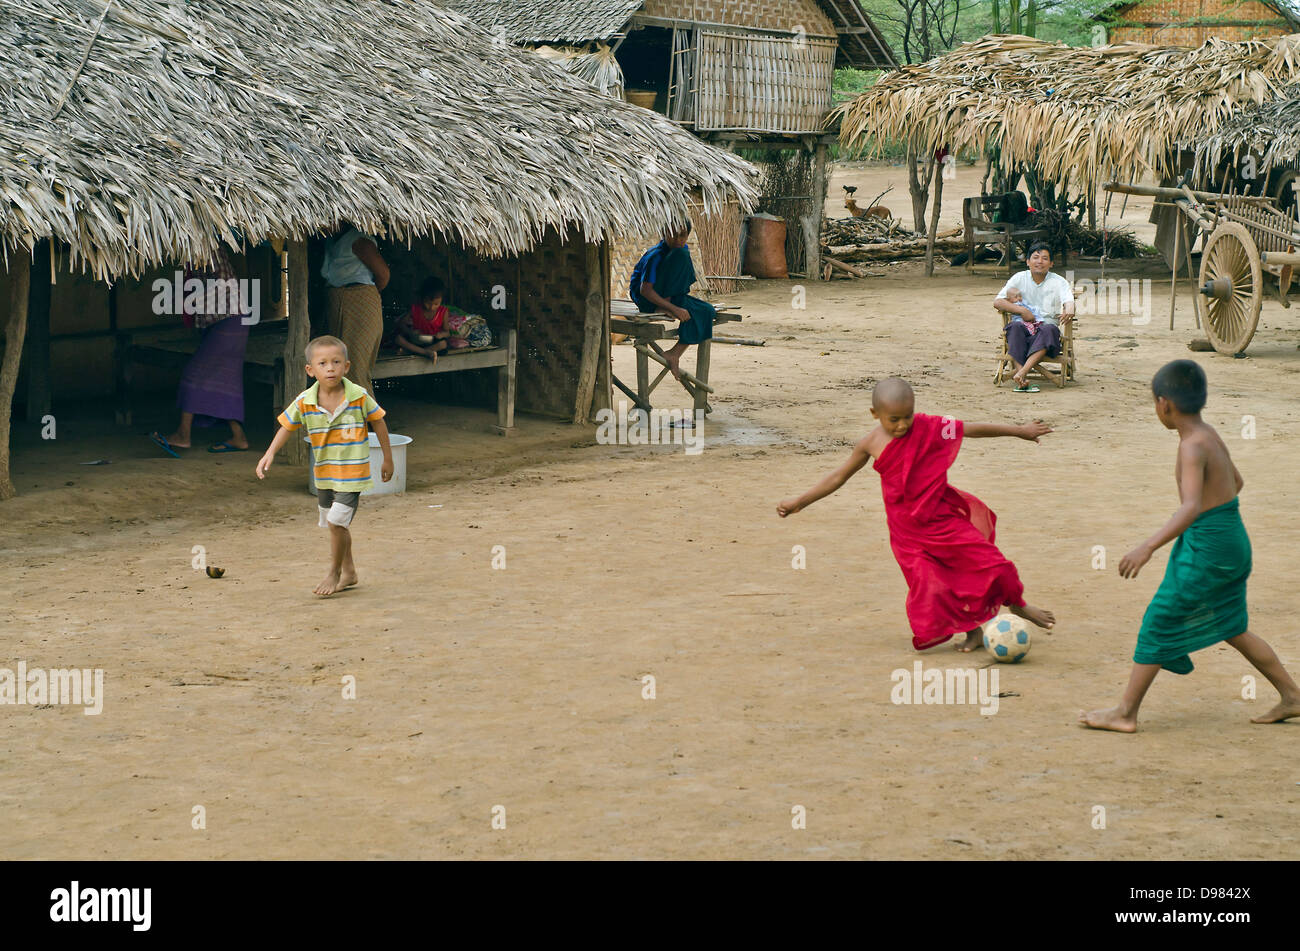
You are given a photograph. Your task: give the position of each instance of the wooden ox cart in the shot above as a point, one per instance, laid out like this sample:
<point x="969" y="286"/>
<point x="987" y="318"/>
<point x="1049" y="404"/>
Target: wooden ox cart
<point x="1247" y="242"/>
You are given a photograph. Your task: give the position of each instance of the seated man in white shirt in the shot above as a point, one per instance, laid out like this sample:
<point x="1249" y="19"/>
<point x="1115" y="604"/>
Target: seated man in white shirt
<point x="1051" y="296"/>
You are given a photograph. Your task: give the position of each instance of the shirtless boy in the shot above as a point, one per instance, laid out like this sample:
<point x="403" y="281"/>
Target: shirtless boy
<point x="1202" y="599"/>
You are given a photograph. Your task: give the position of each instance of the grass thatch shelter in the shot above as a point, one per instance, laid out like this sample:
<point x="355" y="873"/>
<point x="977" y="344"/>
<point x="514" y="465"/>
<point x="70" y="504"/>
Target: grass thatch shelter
<point x="1270" y="131"/>
<point x="137" y="134"/>
<point x="1076" y="114"/>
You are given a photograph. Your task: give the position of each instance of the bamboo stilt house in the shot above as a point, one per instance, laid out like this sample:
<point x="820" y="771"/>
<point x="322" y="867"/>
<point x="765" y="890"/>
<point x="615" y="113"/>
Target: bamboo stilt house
<point x="756" y="74"/>
<point x="1080" y="114"/>
<point x="139" y="134"/>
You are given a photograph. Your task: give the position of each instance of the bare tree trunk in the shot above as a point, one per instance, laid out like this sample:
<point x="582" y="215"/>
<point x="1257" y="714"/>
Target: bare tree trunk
<point x="919" y="185"/>
<point x="15" y="330"/>
<point x="934" y="224"/>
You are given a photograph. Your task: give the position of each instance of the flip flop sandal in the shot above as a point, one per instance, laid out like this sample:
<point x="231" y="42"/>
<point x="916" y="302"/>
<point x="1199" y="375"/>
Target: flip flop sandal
<point x="225" y="447"/>
<point x="1031" y="388"/>
<point x="163" y="444"/>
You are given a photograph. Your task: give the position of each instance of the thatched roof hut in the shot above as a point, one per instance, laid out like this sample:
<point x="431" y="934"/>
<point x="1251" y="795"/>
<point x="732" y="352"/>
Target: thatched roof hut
<point x="861" y="44"/>
<point x="1269" y="130"/>
<point x="143" y="132"/>
<point x="1080" y="113"/>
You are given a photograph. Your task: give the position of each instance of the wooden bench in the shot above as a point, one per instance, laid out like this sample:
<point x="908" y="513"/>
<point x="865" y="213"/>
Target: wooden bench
<point x="264" y="362"/>
<point x="646" y="330"/>
<point x="981" y="229"/>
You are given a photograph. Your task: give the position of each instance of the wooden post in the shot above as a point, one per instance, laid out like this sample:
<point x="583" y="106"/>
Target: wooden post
<point x="603" y="398"/>
<point x="595" y="323"/>
<point x="506" y="385"/>
<point x="812" y="225"/>
<point x="934" y="220"/>
<point x="702" y="354"/>
<point x="38" y="335"/>
<point x="20" y="277"/>
<point x="291" y="375"/>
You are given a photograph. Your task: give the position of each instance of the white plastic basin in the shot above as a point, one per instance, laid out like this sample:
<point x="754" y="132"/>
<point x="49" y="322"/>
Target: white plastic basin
<point x="395" y="486"/>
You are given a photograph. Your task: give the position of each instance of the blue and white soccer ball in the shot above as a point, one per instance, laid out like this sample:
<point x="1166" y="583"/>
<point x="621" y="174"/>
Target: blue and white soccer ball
<point x="1006" y="637"/>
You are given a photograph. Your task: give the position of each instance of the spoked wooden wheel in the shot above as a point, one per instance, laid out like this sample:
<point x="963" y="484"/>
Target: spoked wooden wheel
<point x="1233" y="284"/>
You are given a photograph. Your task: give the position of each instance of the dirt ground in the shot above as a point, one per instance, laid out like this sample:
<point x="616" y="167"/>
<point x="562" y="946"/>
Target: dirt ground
<point x="522" y="688"/>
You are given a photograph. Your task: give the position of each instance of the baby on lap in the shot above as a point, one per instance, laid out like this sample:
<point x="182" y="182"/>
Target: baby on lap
<point x="1031" y="324"/>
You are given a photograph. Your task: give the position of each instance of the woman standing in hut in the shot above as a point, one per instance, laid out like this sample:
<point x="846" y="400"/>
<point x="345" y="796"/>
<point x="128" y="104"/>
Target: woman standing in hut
<point x="356" y="273"/>
<point x="212" y="384"/>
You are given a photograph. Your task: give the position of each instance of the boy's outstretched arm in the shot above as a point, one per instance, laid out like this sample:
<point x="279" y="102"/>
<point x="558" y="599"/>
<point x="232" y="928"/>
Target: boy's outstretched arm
<point x="857" y="459"/>
<point x="381" y="433"/>
<point x="277" y="443"/>
<point x="1191" y="482"/>
<point x="1029" y="431"/>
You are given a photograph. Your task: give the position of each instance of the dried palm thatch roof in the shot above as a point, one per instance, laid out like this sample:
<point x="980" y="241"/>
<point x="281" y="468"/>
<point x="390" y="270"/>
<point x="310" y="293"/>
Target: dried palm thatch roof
<point x="549" y="21"/>
<point x="580" y="21"/>
<point x="142" y="132"/>
<point x="1080" y="113"/>
<point x="1270" y="130"/>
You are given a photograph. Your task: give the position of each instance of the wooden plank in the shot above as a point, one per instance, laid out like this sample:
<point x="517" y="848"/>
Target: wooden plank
<point x="415" y="365"/>
<point x="295" y="342"/>
<point x="595" y="320"/>
<point x="39" y="391"/>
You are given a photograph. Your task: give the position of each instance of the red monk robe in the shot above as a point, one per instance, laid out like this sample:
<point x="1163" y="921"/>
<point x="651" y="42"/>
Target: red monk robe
<point x="942" y="537"/>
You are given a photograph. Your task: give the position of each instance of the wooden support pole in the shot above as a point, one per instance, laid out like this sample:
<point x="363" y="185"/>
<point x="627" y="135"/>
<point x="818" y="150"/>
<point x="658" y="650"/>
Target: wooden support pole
<point x="506" y="386"/>
<point x="603" y="397"/>
<point x="813" y="223"/>
<point x="15" y="330"/>
<point x="39" y="390"/>
<point x="934" y="220"/>
<point x="703" y="353"/>
<point x="595" y="324"/>
<point x="1173" y="274"/>
<point x="292" y="375"/>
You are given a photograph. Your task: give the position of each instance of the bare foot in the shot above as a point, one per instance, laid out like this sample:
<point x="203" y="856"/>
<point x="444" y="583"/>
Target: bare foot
<point x="1019" y="380"/>
<point x="1043" y="618"/>
<point x="329" y="585"/>
<point x="346" y="579"/>
<point x="1283" y="711"/>
<point x="176" y="442"/>
<point x="974" y="641"/>
<point x="674" y="365"/>
<point x="1110" y="719"/>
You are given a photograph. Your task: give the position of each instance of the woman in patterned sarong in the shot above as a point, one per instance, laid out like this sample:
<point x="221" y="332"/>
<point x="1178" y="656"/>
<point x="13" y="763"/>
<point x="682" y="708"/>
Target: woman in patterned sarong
<point x="356" y="273"/>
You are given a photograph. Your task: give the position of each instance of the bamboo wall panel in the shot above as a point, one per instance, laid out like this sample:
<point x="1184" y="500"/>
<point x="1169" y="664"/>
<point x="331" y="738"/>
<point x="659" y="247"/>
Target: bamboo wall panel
<point x="1175" y="22"/>
<point x="763" y="84"/>
<point x="786" y="15"/>
<point x="714" y="244"/>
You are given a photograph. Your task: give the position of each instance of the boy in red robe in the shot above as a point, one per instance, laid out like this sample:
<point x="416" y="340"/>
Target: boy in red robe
<point x="942" y="537"/>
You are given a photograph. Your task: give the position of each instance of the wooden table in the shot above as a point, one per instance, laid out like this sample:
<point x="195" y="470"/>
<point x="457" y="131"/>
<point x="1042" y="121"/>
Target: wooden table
<point x="264" y="362"/>
<point x="646" y="330"/>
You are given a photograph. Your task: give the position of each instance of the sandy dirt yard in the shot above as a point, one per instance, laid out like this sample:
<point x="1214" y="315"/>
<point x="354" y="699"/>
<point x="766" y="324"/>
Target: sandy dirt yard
<point x="522" y="688"/>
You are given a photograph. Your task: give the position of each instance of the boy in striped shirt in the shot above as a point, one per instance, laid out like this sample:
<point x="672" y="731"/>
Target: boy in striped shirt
<point x="335" y="412"/>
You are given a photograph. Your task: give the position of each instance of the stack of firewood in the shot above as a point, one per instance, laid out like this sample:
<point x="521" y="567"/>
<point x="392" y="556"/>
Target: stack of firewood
<point x="849" y="241"/>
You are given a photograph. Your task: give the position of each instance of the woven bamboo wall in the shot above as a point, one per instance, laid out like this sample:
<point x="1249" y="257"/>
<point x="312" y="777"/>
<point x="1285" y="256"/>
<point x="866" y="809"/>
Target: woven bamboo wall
<point x="545" y="299"/>
<point x="763" y="84"/>
<point x="1241" y="21"/>
<point x="715" y="249"/>
<point x="787" y="15"/>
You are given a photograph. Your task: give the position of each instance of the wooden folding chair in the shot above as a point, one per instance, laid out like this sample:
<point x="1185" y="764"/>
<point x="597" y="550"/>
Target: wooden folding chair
<point x="1064" y="362"/>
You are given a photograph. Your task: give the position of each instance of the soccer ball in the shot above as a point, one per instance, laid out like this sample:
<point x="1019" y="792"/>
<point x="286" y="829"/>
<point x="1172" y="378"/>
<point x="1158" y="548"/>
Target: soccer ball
<point x="1006" y="637"/>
